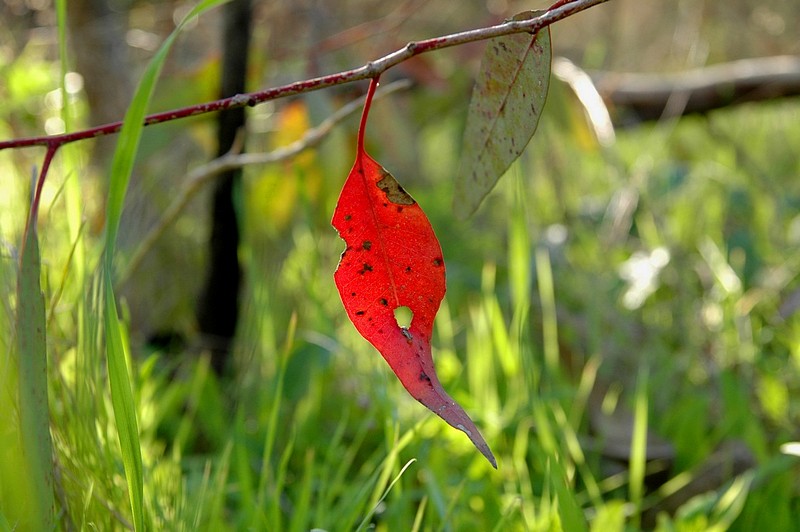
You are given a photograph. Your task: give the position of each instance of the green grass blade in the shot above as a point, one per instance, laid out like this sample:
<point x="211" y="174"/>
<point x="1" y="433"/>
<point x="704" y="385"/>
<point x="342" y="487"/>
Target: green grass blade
<point x="124" y="408"/>
<point x="131" y="131"/>
<point x="31" y="472"/>
<point x="302" y="510"/>
<point x="369" y="514"/>
<point x="547" y="296"/>
<point x="572" y="518"/>
<point x="730" y="504"/>
<point x="273" y="429"/>
<point x="61" y="19"/>
<point x="121" y="168"/>
<point x="638" y="456"/>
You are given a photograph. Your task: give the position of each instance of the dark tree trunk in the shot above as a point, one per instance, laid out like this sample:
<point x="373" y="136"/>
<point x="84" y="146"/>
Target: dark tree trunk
<point x="218" y="307"/>
<point x="101" y="56"/>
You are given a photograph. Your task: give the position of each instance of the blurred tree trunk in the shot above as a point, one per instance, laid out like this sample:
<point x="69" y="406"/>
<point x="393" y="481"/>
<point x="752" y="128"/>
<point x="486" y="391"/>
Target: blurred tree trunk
<point x="218" y="306"/>
<point x="97" y="34"/>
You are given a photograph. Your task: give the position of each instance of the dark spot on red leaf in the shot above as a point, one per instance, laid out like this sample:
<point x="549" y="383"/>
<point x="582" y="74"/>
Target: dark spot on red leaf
<point x="366" y="245"/>
<point x="383" y="301"/>
<point x="352" y="294"/>
<point x="394" y="192"/>
<point x="347" y="217"/>
<point x="437" y="261"/>
<point x="367" y="267"/>
<point x="360" y="313"/>
<point x="424" y="376"/>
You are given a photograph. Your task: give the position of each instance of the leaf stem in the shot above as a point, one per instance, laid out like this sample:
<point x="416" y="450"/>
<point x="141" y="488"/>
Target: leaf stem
<point x="36" y="197"/>
<point x="373" y="85"/>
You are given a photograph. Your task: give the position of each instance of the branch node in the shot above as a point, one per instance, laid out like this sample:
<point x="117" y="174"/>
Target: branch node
<point x="240" y="100"/>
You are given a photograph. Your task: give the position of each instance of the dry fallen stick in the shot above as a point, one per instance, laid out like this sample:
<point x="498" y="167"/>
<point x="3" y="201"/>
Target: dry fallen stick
<point x="655" y="96"/>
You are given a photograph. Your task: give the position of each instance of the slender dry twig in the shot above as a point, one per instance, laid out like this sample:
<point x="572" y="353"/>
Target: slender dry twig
<point x="232" y="160"/>
<point x="373" y="69"/>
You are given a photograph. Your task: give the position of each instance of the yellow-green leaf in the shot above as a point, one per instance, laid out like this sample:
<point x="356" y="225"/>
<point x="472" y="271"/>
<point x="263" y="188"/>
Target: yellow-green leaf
<point x="503" y="114"/>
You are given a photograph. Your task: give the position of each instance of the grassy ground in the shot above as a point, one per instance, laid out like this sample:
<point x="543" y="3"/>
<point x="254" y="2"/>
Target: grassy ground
<point x="659" y="274"/>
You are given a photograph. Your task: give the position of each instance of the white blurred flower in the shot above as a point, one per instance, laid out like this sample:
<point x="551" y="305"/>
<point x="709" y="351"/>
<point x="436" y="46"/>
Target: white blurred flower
<point x="791" y="448"/>
<point x="641" y="272"/>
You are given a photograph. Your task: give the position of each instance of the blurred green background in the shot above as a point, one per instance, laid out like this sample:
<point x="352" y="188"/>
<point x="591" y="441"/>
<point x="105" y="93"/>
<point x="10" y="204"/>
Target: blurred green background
<point x="601" y="291"/>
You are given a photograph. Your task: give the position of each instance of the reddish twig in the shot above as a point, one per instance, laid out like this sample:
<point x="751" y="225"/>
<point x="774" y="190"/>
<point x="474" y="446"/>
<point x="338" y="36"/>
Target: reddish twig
<point x="559" y="4"/>
<point x="560" y="10"/>
<point x="199" y="176"/>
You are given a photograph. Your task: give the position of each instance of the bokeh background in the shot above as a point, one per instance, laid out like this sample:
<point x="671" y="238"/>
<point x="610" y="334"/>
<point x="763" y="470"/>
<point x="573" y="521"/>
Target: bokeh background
<point x="603" y="288"/>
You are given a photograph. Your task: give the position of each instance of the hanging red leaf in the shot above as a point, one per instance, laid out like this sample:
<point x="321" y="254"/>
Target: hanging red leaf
<point x="393" y="260"/>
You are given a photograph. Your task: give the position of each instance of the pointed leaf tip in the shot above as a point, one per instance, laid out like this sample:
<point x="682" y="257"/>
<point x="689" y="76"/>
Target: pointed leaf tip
<point x="504" y="112"/>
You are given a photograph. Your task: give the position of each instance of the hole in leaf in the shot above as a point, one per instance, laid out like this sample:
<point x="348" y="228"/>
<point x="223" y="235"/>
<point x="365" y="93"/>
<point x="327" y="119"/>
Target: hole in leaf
<point x="403" y="316"/>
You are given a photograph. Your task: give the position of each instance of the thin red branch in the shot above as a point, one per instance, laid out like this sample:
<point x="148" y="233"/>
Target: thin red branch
<point x="560" y="3"/>
<point x="372" y="69"/>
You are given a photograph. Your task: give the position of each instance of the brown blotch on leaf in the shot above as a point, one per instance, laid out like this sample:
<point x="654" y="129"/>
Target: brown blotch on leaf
<point x="347" y="217"/>
<point x="383" y="301"/>
<point x="394" y="192"/>
<point x="424" y="376"/>
<point x="360" y="313"/>
<point x="367" y="245"/>
<point x="437" y="261"/>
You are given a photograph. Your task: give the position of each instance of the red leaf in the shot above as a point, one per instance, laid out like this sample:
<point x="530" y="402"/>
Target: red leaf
<point x="393" y="259"/>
